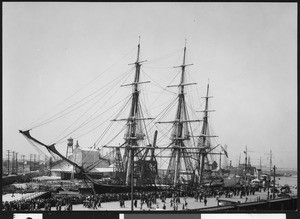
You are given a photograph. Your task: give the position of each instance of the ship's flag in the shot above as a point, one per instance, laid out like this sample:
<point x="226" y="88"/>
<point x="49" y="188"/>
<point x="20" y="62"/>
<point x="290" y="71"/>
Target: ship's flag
<point x="225" y="152"/>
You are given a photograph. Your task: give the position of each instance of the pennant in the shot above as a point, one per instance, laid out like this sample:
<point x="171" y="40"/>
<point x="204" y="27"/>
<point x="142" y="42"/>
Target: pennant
<point x="225" y="152"/>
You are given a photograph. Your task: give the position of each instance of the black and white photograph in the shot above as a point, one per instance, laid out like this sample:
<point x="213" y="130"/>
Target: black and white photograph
<point x="159" y="107"/>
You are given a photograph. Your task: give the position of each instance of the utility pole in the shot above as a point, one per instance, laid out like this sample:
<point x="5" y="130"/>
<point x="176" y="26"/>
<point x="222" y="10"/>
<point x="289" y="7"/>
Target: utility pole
<point x="268" y="187"/>
<point x="17" y="166"/>
<point x="46" y="160"/>
<point x="13" y="163"/>
<point x="8" y="156"/>
<point x="23" y="161"/>
<point x="50" y="165"/>
<point x="274" y="169"/>
<point x="30" y="164"/>
<point x="38" y="162"/>
<point x="34" y="162"/>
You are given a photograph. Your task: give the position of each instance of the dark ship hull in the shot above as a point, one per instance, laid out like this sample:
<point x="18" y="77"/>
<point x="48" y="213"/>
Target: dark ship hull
<point x="145" y="174"/>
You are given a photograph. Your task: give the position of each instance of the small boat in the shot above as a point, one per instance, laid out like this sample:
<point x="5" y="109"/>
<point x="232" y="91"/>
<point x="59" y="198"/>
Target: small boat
<point x="225" y="202"/>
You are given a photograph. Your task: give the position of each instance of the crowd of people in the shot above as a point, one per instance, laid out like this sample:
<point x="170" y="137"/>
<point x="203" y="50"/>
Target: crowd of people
<point x="149" y="199"/>
<point x="40" y="204"/>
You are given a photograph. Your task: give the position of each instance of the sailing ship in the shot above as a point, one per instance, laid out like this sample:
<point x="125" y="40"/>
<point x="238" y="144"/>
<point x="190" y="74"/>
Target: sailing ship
<point x="137" y="169"/>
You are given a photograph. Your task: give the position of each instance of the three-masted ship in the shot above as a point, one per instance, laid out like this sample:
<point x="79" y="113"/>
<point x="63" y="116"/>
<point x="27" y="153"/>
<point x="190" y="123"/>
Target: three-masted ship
<point x="137" y="167"/>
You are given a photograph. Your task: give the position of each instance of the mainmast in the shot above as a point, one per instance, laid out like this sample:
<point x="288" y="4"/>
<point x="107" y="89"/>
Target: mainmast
<point x="180" y="162"/>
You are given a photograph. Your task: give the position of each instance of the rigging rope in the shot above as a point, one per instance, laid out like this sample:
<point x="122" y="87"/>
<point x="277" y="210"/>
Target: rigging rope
<point x="81" y="88"/>
<point x="91" y="121"/>
<point x="107" y="129"/>
<point x="87" y="121"/>
<point x="162" y="57"/>
<point x="36" y="147"/>
<point x="52" y="118"/>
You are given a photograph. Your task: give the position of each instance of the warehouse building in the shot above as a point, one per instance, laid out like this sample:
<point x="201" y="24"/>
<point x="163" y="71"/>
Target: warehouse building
<point x="89" y="159"/>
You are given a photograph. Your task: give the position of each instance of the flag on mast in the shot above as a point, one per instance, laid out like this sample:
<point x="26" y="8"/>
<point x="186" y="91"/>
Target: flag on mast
<point x="225" y="152"/>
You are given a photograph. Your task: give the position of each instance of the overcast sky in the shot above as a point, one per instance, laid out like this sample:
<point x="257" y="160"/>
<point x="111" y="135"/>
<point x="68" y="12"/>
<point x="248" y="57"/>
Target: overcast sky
<point x="248" y="51"/>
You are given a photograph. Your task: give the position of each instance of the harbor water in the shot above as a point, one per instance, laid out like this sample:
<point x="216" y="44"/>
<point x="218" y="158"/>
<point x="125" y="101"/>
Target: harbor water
<point x="283" y="180"/>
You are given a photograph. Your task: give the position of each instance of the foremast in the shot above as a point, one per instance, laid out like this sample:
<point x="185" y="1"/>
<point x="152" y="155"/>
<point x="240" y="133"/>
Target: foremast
<point x="134" y="133"/>
<point x="131" y="138"/>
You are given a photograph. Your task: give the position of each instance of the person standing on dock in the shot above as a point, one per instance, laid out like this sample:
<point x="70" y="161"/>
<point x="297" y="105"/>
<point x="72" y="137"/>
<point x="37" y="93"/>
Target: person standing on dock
<point x="57" y="205"/>
<point x="135" y="203"/>
<point x="99" y="202"/>
<point x="200" y="197"/>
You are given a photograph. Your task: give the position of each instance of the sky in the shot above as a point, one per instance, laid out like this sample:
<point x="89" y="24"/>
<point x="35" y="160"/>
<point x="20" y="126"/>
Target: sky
<point x="247" y="52"/>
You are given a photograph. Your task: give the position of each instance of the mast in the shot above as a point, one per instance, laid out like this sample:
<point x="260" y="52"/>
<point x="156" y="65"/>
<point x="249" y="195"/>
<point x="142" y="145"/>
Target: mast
<point x="8" y="157"/>
<point x="246" y="152"/>
<point x="179" y="162"/>
<point x="134" y="133"/>
<point x="270" y="154"/>
<point x="131" y="137"/>
<point x="204" y="143"/>
<point x="220" y="162"/>
<point x="246" y="159"/>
